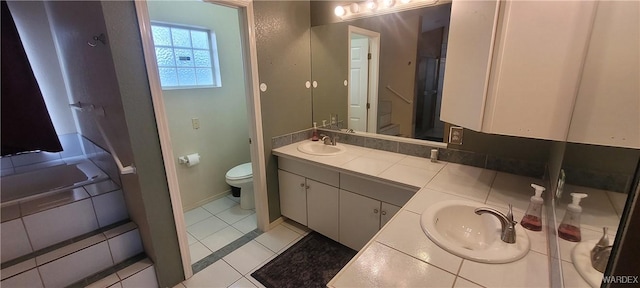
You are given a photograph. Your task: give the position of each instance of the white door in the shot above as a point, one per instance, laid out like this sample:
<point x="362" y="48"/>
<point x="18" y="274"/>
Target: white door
<point x="359" y="219"/>
<point x="359" y="83"/>
<point x="322" y="208"/>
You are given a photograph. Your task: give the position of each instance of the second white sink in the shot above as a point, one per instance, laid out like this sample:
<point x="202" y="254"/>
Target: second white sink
<point x="581" y="258"/>
<point x="320" y="149"/>
<point x="456" y="228"/>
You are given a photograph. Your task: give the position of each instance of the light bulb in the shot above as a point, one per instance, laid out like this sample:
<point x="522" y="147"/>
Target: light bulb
<point x="339" y="11"/>
<point x="354" y="7"/>
<point x="371" y="5"/>
<point x="387" y="3"/>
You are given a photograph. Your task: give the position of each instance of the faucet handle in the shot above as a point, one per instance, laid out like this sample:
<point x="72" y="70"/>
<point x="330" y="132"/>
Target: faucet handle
<point x="510" y="214"/>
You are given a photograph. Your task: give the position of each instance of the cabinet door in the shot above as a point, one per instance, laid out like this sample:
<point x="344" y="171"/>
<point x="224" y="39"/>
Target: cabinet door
<point x="359" y="219"/>
<point x="386" y="213"/>
<point x="471" y="33"/>
<point x="293" y="196"/>
<point x="322" y="208"/>
<point x="607" y="110"/>
<point x="538" y="56"/>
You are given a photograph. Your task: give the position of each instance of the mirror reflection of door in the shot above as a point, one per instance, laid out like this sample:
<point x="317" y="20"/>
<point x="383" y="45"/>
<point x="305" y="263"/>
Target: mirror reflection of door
<point x="363" y="75"/>
<point x="359" y="75"/>
<point x="429" y="71"/>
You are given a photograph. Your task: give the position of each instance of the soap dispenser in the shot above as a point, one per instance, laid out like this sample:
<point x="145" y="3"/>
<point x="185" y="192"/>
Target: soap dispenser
<point x="532" y="219"/>
<point x="314" y="136"/>
<point x="569" y="229"/>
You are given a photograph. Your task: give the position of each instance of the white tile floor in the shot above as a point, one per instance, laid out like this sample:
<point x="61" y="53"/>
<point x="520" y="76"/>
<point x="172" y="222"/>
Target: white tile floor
<point x="235" y="269"/>
<point x="216" y="224"/>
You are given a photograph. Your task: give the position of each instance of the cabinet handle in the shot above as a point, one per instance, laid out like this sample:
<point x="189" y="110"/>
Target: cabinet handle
<point x="375" y="211"/>
<point x="301" y="184"/>
<point x="307" y="187"/>
<point x="383" y="212"/>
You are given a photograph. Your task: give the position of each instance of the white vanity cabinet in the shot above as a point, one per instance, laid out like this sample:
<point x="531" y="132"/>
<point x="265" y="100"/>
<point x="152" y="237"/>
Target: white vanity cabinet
<point x="307" y="200"/>
<point x="514" y="67"/>
<point x="366" y="206"/>
<point x="346" y="208"/>
<point x="361" y="217"/>
<point x="293" y="196"/>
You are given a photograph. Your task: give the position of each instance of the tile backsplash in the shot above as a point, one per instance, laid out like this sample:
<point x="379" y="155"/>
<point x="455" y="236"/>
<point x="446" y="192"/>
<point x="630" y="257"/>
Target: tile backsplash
<point x="492" y="162"/>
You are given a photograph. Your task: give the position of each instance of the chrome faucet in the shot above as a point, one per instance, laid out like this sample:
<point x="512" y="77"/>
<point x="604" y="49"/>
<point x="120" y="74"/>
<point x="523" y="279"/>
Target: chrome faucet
<point x="327" y="140"/>
<point x="601" y="252"/>
<point x="506" y="221"/>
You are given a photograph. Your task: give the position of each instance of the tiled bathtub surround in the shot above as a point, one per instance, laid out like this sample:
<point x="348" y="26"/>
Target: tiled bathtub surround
<point x="71" y="263"/>
<point x="39" y="223"/>
<point x="509" y="165"/>
<point x="28" y="161"/>
<point x="101" y="158"/>
<point x="74" y="145"/>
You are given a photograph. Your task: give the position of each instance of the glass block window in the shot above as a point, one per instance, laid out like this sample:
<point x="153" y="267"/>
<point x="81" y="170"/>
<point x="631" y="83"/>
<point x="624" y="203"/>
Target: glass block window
<point x="187" y="57"/>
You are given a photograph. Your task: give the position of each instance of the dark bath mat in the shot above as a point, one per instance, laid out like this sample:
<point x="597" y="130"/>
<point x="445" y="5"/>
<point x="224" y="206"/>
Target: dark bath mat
<point x="311" y="262"/>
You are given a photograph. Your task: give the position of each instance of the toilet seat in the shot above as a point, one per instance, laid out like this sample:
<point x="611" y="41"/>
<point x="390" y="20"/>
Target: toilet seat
<point x="240" y="172"/>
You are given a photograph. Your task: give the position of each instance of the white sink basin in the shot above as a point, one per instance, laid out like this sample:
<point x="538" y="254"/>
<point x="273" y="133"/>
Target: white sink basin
<point x="455" y="227"/>
<point x="321" y="149"/>
<point x="581" y="258"/>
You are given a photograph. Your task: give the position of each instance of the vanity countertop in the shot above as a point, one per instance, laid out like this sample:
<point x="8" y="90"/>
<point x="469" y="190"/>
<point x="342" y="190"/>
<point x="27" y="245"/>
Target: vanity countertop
<point x="400" y="254"/>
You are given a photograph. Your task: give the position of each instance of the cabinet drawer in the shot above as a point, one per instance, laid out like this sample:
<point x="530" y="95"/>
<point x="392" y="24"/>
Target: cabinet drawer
<point x="376" y="190"/>
<point x="310" y="171"/>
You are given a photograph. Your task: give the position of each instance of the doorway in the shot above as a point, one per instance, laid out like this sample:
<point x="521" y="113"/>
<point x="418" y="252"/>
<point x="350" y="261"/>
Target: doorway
<point x="215" y="115"/>
<point x="431" y="58"/>
<point x="364" y="47"/>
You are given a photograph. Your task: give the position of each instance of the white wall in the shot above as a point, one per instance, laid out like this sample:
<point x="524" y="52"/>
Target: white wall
<point x="223" y="138"/>
<point x="33" y="26"/>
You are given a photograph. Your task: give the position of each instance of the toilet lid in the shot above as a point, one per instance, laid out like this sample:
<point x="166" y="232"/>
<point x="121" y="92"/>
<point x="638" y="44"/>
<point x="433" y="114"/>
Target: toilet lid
<point x="241" y="171"/>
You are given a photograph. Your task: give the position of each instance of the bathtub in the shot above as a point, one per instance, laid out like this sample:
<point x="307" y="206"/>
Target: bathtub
<point x="46" y="181"/>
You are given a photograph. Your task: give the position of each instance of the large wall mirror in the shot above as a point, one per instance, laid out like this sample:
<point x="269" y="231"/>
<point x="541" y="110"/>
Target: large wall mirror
<point x="410" y="63"/>
<point x="609" y="178"/>
<point x="381" y="74"/>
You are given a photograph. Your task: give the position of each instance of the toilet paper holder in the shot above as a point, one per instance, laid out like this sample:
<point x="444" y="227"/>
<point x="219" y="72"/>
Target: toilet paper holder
<point x="189" y="160"/>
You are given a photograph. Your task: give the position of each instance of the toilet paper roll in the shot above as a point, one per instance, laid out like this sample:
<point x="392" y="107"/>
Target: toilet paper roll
<point x="193" y="159"/>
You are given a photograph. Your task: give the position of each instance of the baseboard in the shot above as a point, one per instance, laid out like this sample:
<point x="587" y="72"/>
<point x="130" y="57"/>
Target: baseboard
<point x="186" y="208"/>
<point x="275" y="223"/>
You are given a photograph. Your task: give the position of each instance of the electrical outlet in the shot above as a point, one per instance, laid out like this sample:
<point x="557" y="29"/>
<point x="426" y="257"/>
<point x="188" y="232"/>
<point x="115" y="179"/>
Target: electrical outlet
<point x="455" y="135"/>
<point x="195" y="123"/>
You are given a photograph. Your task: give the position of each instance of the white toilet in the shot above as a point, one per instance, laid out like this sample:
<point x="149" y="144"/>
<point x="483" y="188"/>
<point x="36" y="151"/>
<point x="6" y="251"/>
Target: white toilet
<point x="241" y="176"/>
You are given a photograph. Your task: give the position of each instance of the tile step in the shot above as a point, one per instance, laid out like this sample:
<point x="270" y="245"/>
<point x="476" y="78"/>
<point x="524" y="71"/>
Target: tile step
<point x="39" y="223"/>
<point x="74" y="262"/>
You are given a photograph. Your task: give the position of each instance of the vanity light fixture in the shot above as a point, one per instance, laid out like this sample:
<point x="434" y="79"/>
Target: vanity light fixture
<point x="379" y="7"/>
<point x="354" y="8"/>
<point x="371" y="5"/>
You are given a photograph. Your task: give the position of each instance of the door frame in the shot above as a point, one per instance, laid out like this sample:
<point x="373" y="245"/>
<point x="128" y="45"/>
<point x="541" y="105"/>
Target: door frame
<point x="374" y="68"/>
<point x="254" y="113"/>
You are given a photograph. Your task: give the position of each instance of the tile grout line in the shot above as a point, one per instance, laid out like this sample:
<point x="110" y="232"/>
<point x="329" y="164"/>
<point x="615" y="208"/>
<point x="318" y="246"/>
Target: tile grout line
<point x="430" y="264"/>
<point x="224" y="251"/>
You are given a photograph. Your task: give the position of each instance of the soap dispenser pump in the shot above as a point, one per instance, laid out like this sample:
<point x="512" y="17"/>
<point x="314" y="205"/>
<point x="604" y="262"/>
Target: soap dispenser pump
<point x="569" y="229"/>
<point x="532" y="219"/>
<point x="314" y="136"/>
